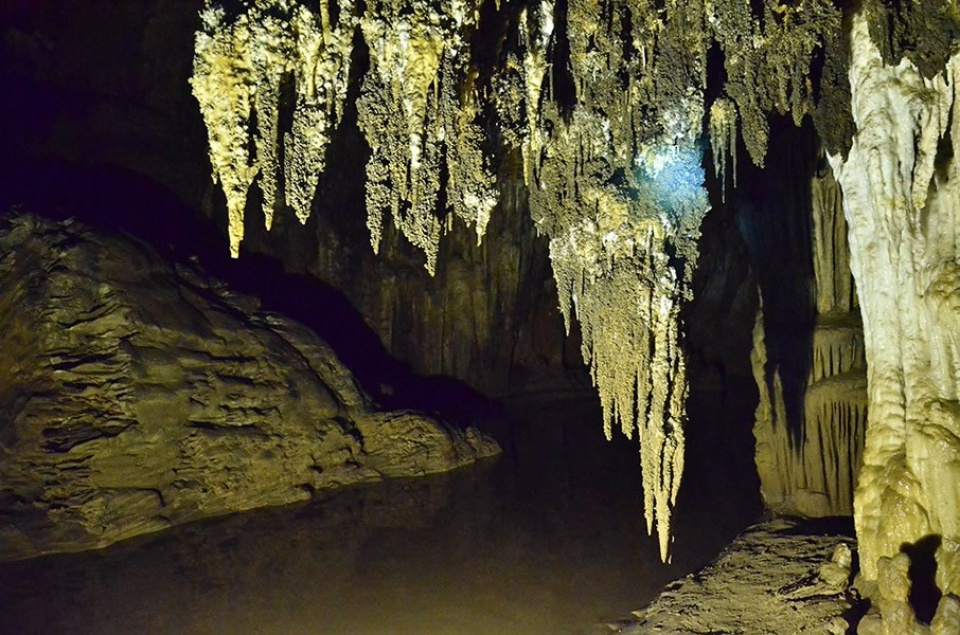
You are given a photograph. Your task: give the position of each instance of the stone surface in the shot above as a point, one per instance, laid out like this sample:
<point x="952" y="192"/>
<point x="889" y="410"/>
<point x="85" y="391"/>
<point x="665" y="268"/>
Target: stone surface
<point x="135" y="395"/>
<point x="768" y="581"/>
<point x="808" y="354"/>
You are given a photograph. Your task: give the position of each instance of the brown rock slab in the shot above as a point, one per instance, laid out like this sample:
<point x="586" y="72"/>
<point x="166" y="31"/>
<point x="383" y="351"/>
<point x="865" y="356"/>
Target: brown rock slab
<point x="136" y="395"/>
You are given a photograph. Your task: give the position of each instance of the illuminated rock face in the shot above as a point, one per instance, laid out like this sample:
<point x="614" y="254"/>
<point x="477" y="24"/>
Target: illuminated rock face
<point x="414" y="111"/>
<point x="417" y="115"/>
<point x="136" y="396"/>
<point x="615" y="193"/>
<point x="901" y="186"/>
<point x="813" y="471"/>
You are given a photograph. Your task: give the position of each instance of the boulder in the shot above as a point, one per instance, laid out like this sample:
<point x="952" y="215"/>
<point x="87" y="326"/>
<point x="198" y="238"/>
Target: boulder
<point x="136" y="395"/>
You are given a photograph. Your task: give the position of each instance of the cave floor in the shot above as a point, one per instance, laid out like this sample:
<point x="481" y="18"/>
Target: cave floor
<point x="765" y="583"/>
<point x="549" y="539"/>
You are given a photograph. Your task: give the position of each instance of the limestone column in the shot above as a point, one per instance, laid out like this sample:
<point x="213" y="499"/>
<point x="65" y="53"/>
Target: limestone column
<point x="901" y="190"/>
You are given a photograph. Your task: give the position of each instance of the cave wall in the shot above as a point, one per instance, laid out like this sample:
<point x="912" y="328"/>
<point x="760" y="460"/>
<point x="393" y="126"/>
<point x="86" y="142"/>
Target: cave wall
<point x="808" y="466"/>
<point x="136" y="395"/>
<point x="808" y="355"/>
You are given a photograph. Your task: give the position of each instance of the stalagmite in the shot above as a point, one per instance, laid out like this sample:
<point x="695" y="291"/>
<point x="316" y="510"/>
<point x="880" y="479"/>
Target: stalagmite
<point x="901" y="188"/>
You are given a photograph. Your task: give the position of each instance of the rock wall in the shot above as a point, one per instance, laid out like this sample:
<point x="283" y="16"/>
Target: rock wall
<point x="135" y="395"/>
<point x="812" y="470"/>
<point x="901" y="186"/>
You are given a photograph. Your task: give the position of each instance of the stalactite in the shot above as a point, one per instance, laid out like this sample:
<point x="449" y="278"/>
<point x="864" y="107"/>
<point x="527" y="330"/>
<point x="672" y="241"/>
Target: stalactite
<point x="239" y="65"/>
<point x="609" y="251"/>
<point x="831" y="258"/>
<point x="614" y="170"/>
<point x="413" y="114"/>
<point x="767" y="60"/>
<point x="321" y="73"/>
<point x="723" y="140"/>
<point x="536" y="31"/>
<point x="222" y="83"/>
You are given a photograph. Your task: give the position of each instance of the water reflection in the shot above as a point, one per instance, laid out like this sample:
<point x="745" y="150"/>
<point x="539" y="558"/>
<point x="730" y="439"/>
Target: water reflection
<point x="547" y="540"/>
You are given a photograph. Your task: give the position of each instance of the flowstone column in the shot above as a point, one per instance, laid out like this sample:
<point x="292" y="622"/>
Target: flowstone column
<point x="901" y="185"/>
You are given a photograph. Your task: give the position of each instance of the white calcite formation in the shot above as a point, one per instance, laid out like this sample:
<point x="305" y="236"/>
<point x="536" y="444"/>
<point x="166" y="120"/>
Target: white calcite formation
<point x="901" y="186"/>
<point x="812" y="471"/>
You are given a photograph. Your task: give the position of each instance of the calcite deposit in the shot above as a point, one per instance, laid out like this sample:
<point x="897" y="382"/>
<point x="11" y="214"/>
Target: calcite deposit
<point x="811" y="469"/>
<point x="900" y="183"/>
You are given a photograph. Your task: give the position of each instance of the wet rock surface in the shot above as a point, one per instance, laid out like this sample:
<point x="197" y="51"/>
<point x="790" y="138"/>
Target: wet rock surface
<point x="136" y="395"/>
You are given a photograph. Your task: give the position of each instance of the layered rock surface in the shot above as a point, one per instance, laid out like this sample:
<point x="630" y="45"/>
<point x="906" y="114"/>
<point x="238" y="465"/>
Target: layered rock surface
<point x="135" y="395"/>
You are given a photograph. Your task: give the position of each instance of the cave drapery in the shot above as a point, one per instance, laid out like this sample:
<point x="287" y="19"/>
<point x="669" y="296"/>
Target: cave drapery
<point x="603" y="108"/>
<point x="901" y="200"/>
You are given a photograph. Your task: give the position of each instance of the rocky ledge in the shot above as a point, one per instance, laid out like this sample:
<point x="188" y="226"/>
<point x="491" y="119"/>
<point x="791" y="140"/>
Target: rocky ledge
<point x="136" y="395"/>
<point x="781" y="577"/>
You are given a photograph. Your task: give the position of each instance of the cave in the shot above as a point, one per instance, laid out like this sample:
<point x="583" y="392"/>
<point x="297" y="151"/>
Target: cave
<point x="502" y="316"/>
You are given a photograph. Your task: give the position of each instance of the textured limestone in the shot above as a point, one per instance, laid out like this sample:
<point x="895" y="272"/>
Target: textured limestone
<point x="778" y="578"/>
<point x="892" y="612"/>
<point x="901" y="199"/>
<point x="813" y="475"/>
<point x="135" y="396"/>
<point x="417" y="109"/>
<point x="239" y="66"/>
<point x="813" y="472"/>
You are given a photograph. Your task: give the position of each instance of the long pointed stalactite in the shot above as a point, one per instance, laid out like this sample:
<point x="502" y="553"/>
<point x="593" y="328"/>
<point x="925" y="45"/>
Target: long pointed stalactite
<point x="604" y="103"/>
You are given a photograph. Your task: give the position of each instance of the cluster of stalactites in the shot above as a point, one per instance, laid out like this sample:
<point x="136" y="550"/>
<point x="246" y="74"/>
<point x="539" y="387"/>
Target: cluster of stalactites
<point x="239" y="66"/>
<point x="418" y="117"/>
<point x="767" y="63"/>
<point x="616" y="184"/>
<point x="609" y="244"/>
<point x="415" y="111"/>
<point x="614" y="172"/>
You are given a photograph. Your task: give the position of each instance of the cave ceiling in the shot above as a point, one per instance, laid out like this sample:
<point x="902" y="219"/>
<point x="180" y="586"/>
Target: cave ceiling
<point x="604" y="110"/>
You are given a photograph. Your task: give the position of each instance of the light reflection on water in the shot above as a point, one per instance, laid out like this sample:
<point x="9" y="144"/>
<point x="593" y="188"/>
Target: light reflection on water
<point x="550" y="539"/>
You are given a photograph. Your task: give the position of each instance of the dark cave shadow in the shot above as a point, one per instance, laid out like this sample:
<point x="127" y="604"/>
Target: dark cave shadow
<point x="924" y="593"/>
<point x="111" y="199"/>
<point x="825" y="526"/>
<point x="781" y="254"/>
